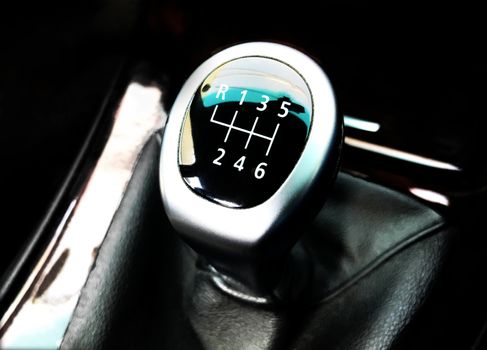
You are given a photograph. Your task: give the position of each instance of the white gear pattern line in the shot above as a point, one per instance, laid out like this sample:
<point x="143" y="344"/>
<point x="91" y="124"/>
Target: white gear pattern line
<point x="249" y="132"/>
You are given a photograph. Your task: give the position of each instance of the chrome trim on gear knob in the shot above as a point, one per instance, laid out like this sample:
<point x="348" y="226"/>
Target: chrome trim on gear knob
<point x="214" y="228"/>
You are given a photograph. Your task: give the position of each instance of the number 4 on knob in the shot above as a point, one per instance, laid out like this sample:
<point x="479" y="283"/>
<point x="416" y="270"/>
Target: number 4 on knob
<point x="239" y="163"/>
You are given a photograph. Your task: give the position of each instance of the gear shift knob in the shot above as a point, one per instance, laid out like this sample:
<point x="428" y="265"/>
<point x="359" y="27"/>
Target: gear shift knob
<point x="250" y="148"/>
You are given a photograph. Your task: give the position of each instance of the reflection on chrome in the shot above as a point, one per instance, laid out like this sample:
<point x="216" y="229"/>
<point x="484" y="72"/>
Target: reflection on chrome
<point x="43" y="308"/>
<point x="18" y="337"/>
<point x="194" y="182"/>
<point x="231" y="287"/>
<point x="430" y="196"/>
<point x="394" y="153"/>
<point x="360" y="124"/>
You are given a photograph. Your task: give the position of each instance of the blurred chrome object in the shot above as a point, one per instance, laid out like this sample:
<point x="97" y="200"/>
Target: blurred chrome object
<point x="398" y="154"/>
<point x="360" y="124"/>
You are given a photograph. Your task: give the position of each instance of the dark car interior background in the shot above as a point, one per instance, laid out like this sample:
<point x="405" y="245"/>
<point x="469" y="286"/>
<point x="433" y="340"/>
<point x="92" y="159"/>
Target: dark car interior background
<point x="397" y="251"/>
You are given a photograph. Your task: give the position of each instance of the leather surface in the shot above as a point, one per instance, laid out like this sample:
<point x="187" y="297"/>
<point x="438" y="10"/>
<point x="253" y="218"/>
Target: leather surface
<point x="360" y="226"/>
<point x="134" y="291"/>
<point x="377" y="254"/>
